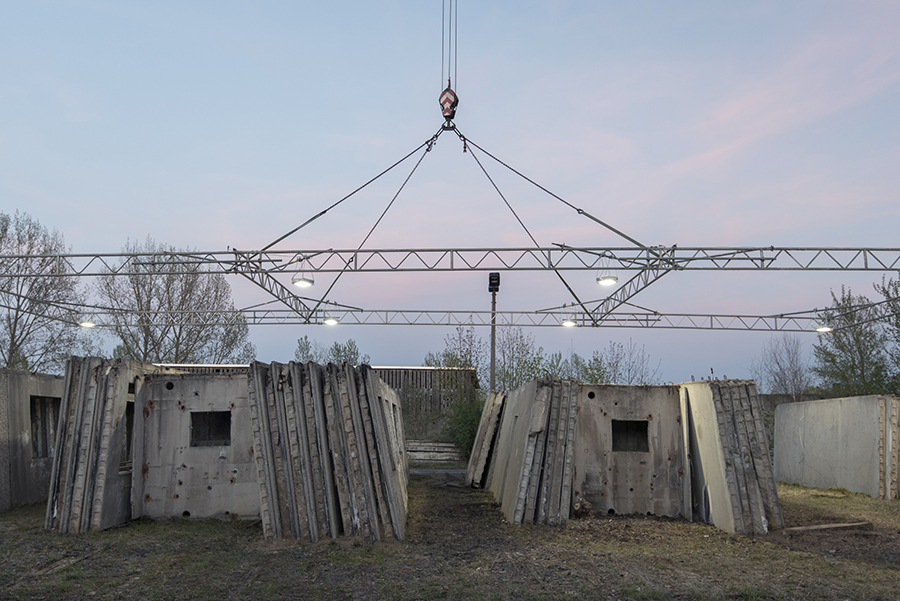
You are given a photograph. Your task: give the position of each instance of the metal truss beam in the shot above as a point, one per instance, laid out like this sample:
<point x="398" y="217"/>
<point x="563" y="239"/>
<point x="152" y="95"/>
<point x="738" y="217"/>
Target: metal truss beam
<point x="558" y="257"/>
<point x="798" y="322"/>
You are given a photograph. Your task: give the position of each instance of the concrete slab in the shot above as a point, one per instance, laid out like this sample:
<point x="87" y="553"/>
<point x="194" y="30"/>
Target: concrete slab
<point x="839" y="443"/>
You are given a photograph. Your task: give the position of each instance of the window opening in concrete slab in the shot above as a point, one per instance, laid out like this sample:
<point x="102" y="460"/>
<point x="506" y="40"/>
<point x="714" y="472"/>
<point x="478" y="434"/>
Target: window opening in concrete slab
<point x="210" y="428"/>
<point x="630" y="435"/>
<point x="44" y="415"/>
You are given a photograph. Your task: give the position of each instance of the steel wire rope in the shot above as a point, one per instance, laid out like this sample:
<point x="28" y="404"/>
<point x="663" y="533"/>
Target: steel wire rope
<point x="559" y="198"/>
<point x="524" y="227"/>
<point x="430" y="144"/>
<point x="427" y="142"/>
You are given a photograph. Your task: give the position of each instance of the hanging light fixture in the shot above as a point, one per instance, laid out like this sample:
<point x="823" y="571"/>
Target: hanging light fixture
<point x="568" y="320"/>
<point x="607" y="279"/>
<point x="824" y="324"/>
<point x="304" y="277"/>
<point x="87" y="321"/>
<point x="331" y="320"/>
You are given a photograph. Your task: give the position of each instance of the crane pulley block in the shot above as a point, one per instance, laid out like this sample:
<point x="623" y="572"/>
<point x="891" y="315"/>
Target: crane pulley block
<point x="449" y="100"/>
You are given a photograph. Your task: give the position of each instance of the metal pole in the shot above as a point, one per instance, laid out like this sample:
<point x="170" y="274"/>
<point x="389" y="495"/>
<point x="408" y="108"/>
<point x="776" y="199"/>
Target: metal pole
<point x="493" y="339"/>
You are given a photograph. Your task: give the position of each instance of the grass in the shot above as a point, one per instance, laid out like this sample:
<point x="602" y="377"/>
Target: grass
<point x="459" y="547"/>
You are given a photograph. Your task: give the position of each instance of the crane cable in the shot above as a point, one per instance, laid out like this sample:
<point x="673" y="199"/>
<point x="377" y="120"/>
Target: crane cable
<point x="578" y="301"/>
<point x="429" y="144"/>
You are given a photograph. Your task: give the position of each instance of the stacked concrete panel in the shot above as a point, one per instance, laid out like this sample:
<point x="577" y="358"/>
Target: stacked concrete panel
<point x="329" y="450"/>
<point x="90" y="488"/>
<point x="851" y="443"/>
<point x="531" y="463"/>
<point x="697" y="450"/>
<point x="732" y="479"/>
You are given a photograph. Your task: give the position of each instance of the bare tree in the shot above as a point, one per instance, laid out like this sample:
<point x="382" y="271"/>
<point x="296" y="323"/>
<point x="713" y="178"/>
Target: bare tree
<point x="167" y="311"/>
<point x="782" y="369"/>
<point x="34" y="334"/>
<point x="627" y="364"/>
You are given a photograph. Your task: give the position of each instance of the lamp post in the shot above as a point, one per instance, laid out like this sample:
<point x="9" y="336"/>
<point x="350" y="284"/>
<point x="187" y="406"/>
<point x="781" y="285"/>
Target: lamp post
<point x="493" y="287"/>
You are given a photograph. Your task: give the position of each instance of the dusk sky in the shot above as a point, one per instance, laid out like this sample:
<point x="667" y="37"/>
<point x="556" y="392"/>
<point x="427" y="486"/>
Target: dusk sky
<point x="225" y="124"/>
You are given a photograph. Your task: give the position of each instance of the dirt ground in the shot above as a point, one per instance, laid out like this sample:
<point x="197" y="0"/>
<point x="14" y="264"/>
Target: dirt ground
<point x="459" y="547"/>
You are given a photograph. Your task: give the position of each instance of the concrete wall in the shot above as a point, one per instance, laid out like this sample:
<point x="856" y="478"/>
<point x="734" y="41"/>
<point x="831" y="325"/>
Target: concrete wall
<point x="632" y="480"/>
<point x="842" y="443"/>
<point x="26" y="456"/>
<point x="180" y="480"/>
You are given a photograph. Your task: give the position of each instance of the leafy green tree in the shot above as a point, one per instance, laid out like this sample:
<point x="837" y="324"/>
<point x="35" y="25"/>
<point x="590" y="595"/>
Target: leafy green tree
<point x="519" y="359"/>
<point x="339" y="352"/>
<point x="851" y="360"/>
<point x="589" y="371"/>
<point x="890" y="291"/>
<point x="34" y="332"/>
<point x="167" y="310"/>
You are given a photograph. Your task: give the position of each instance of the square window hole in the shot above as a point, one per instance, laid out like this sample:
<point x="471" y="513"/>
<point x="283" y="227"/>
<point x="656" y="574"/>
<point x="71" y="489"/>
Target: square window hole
<point x="630" y="436"/>
<point x="210" y="428"/>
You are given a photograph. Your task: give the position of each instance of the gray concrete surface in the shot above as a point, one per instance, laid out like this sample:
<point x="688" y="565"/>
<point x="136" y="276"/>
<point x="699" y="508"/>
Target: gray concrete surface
<point x="839" y="443"/>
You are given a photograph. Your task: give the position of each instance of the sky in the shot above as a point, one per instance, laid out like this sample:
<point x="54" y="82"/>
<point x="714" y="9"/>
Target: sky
<point x="209" y="125"/>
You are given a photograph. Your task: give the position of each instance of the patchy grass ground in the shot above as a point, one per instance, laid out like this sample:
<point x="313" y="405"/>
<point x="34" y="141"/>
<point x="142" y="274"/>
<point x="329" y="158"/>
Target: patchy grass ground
<point x="459" y="547"/>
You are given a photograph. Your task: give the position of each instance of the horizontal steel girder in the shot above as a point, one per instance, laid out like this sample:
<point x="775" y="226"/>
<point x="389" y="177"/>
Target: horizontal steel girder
<point x="560" y="258"/>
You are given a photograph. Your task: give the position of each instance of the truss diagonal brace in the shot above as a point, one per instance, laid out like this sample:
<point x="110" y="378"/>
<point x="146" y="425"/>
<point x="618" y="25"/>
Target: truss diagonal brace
<point x="659" y="265"/>
<point x="253" y="271"/>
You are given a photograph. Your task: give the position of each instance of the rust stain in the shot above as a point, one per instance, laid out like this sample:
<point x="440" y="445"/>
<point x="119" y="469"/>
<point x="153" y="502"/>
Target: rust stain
<point x="147" y="498"/>
<point x="175" y="496"/>
<point x="146" y="412"/>
<point x="151" y="404"/>
<point x="232" y="480"/>
<point x="251" y="451"/>
<point x="649" y="417"/>
<point x="145" y="469"/>
<point x="678" y="419"/>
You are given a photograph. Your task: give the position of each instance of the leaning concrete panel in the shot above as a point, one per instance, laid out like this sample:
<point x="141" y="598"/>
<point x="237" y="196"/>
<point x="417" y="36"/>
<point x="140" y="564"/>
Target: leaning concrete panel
<point x="510" y="448"/>
<point x="198" y="447"/>
<point x="731" y="474"/>
<point x="831" y="443"/>
<point x="708" y="469"/>
<point x="629" y="453"/>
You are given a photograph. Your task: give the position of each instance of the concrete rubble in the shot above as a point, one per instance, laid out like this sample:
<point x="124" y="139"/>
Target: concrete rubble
<point x="697" y="450"/>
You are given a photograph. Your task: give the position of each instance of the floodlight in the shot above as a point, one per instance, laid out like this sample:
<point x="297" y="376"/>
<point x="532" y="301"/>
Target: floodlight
<point x="87" y="321"/>
<point x="607" y="279"/>
<point x="301" y="280"/>
<point x="568" y="322"/>
<point x="331" y="320"/>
